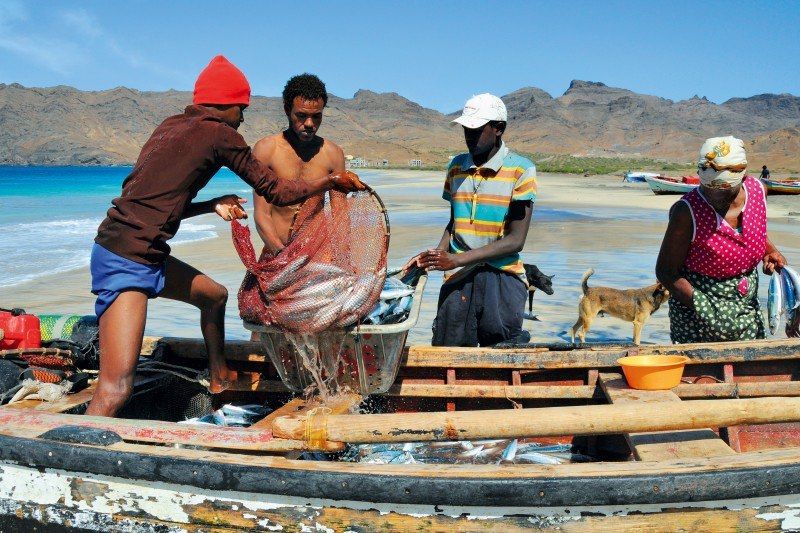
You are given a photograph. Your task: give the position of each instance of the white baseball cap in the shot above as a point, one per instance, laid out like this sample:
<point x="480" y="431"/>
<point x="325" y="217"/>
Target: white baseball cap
<point x="481" y="109"/>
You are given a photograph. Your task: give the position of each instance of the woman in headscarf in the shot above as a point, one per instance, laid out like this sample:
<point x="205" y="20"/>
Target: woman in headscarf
<point x="717" y="236"/>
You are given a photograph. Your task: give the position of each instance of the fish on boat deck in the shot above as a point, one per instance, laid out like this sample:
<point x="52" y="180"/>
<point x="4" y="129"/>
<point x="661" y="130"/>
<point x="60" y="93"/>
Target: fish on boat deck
<point x="632" y="305"/>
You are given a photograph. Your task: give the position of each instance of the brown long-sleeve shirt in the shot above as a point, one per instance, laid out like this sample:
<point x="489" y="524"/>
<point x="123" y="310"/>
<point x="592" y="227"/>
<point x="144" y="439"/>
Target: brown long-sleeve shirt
<point x="178" y="160"/>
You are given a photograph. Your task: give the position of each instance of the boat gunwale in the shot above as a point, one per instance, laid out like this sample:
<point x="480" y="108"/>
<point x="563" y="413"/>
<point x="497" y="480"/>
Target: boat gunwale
<point x="767" y="474"/>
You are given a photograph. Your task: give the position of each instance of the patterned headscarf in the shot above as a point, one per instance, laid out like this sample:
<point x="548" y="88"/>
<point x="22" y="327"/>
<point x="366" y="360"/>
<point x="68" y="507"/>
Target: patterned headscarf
<point x="723" y="162"/>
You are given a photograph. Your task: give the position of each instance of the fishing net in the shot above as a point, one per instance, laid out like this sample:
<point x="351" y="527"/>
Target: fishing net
<point x="331" y="271"/>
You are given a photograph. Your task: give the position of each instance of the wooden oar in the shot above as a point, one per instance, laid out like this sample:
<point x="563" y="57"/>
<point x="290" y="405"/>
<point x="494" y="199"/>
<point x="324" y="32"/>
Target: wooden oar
<point x="162" y="432"/>
<point x="540" y="422"/>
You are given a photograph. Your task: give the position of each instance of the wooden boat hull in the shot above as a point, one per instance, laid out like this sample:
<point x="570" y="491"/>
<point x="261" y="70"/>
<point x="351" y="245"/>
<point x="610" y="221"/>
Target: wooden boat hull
<point x="143" y="488"/>
<point x="638" y="177"/>
<point x="782" y="187"/>
<point x="141" y="482"/>
<point x="661" y="186"/>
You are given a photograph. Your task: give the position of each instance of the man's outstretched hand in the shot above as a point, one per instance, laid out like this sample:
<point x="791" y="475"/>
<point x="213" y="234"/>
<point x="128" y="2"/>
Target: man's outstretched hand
<point x="229" y="207"/>
<point x="347" y="182"/>
<point x="438" y="260"/>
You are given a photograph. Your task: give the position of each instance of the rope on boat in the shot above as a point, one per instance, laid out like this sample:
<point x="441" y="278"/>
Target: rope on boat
<point x="316" y="427"/>
<point x="175" y="370"/>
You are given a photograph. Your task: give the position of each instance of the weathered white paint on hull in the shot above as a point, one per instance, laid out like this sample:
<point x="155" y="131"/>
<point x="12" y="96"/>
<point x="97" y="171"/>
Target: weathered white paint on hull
<point x="99" y="502"/>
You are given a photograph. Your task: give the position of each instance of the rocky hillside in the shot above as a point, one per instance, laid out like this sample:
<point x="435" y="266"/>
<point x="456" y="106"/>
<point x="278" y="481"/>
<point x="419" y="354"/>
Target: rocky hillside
<point x="62" y="125"/>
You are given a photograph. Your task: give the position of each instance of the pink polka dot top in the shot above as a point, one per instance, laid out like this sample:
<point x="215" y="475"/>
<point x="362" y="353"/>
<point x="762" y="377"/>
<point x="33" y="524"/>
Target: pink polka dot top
<point x="719" y="251"/>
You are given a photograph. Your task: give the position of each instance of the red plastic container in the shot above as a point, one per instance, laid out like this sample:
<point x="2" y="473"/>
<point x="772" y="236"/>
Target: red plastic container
<point x="19" y="330"/>
<point x="692" y="180"/>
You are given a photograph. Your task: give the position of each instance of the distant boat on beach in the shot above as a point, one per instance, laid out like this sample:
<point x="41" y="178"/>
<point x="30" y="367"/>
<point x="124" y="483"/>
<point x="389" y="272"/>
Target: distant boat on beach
<point x="666" y="185"/>
<point x="639" y="177"/>
<point x="787" y="186"/>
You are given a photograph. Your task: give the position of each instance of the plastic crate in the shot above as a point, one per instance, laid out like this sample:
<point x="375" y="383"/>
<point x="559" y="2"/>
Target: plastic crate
<point x="371" y="352"/>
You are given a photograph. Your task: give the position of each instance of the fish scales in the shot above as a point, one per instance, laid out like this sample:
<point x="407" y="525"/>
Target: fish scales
<point x="774" y="302"/>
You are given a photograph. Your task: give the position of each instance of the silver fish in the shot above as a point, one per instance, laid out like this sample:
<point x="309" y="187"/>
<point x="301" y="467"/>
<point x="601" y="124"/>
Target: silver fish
<point x="394" y="294"/>
<point x="325" y="317"/>
<point x="539" y="458"/>
<point x="326" y="269"/>
<point x="325" y="290"/>
<point x="510" y="452"/>
<point x="286" y="276"/>
<point x="380" y="308"/>
<point x="789" y="294"/>
<point x="474" y="452"/>
<point x="538" y="448"/>
<point x="492" y="442"/>
<point x="245" y="410"/>
<point x="774" y="302"/>
<point x="795" y="278"/>
<point x="361" y="291"/>
<point x="402" y="306"/>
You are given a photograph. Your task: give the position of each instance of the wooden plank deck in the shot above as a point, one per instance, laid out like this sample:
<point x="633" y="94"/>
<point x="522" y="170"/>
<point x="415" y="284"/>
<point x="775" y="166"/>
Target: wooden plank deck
<point x="662" y="445"/>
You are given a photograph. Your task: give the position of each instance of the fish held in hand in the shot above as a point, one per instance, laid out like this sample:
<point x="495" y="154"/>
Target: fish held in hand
<point x="775" y="302"/>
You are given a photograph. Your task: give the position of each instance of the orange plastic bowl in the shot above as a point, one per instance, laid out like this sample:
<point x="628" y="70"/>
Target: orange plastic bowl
<point x="653" y="372"/>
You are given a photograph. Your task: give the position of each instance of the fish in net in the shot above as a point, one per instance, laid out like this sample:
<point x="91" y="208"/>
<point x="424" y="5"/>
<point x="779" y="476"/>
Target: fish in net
<point x="331" y="272"/>
<point x="327" y="278"/>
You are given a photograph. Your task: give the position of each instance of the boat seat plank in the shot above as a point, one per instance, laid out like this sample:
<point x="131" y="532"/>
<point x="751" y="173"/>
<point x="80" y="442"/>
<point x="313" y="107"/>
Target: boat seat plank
<point x="71" y="401"/>
<point x="662" y="445"/>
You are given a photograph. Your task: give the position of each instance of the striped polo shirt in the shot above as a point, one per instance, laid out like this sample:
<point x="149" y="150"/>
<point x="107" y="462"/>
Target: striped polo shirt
<point x="506" y="177"/>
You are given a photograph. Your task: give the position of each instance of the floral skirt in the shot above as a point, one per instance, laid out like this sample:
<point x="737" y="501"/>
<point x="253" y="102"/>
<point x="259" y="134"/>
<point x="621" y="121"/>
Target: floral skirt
<point x="724" y="310"/>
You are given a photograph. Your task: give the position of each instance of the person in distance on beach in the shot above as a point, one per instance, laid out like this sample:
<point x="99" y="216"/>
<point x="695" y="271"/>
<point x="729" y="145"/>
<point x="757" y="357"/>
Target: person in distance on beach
<point x="716" y="237"/>
<point x="131" y="259"/>
<point x="491" y="191"/>
<point x="297" y="153"/>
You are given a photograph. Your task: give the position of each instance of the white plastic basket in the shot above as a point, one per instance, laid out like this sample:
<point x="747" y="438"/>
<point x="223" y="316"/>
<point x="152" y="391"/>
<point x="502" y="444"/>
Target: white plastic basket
<point x="372" y="351"/>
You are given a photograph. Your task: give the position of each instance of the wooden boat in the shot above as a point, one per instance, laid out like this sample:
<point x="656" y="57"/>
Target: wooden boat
<point x="639" y="177"/>
<point x="692" y="457"/>
<point x="788" y="186"/>
<point x="665" y="185"/>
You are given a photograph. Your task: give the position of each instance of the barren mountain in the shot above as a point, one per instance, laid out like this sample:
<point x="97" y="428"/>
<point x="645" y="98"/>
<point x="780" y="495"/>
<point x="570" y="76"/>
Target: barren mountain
<point x="62" y="125"/>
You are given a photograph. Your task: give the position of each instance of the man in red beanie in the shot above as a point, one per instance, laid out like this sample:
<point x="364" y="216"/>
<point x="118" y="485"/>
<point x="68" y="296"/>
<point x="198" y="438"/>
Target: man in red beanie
<point x="131" y="259"/>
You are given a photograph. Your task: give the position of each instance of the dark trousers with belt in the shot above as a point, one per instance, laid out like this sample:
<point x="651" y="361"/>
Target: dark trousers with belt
<point x="482" y="309"/>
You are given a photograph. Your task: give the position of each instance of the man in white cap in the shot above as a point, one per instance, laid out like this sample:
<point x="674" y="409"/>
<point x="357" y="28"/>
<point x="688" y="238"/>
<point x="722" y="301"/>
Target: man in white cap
<point x="491" y="191"/>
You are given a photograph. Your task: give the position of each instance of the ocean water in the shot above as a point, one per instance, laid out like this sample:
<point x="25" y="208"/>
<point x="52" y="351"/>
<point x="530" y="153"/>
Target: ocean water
<point x="50" y="216"/>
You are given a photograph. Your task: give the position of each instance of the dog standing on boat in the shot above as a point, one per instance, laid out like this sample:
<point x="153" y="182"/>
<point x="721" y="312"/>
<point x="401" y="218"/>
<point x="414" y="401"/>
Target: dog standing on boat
<point x="632" y="305"/>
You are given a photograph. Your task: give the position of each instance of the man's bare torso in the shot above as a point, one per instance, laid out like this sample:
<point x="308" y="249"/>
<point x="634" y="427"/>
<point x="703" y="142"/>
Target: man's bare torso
<point x="273" y="222"/>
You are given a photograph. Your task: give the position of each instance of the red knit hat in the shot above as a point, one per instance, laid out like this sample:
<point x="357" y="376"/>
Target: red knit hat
<point x="221" y="82"/>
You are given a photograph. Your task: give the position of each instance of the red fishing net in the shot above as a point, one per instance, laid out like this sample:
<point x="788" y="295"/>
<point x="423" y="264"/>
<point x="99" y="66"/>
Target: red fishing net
<point x="331" y="271"/>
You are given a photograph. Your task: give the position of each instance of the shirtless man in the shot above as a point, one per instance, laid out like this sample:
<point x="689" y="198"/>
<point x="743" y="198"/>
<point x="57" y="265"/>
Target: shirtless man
<point x="297" y="153"/>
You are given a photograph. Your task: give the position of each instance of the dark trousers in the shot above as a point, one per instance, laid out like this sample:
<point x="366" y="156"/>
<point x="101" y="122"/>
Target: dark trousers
<point x="483" y="308"/>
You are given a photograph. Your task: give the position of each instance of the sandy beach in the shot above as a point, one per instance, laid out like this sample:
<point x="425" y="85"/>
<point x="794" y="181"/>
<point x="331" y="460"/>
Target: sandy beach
<point x="578" y="222"/>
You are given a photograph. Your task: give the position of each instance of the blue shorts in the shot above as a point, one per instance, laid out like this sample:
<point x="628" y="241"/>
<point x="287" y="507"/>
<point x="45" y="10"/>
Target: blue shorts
<point x="112" y="274"/>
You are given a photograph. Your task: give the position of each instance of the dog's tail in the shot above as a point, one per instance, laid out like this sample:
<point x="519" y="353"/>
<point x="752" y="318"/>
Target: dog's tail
<point x="585" y="280"/>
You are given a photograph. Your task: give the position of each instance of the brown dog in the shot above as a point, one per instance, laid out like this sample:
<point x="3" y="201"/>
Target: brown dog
<point x="633" y="305"/>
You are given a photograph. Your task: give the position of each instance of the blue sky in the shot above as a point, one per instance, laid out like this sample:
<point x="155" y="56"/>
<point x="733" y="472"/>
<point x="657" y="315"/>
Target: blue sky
<point x="436" y="53"/>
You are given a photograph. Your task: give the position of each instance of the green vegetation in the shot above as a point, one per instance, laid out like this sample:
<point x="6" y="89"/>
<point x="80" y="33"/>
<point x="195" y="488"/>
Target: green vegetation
<point x="568" y="164"/>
